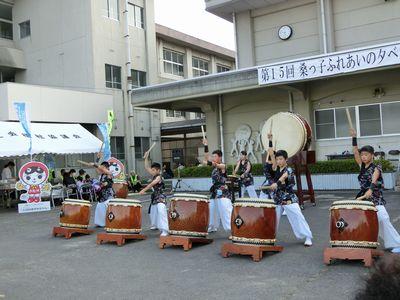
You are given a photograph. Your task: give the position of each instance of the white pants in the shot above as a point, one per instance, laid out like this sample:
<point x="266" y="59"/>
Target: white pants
<point x="153" y="215"/>
<point x="220" y="211"/>
<point x="387" y="232"/>
<point x="100" y="213"/>
<point x="250" y="190"/>
<point x="296" y="219"/>
<point x="162" y="217"/>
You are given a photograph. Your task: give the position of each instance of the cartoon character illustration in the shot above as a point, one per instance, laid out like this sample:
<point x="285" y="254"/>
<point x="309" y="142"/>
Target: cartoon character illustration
<point x="33" y="179"/>
<point x="117" y="169"/>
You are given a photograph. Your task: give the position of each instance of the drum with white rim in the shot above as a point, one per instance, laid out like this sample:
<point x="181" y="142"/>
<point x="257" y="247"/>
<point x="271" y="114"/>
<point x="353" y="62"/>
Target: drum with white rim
<point x="75" y="213"/>
<point x="291" y="132"/>
<point x="354" y="224"/>
<point x="254" y="222"/>
<point x="124" y="216"/>
<point x="189" y="215"/>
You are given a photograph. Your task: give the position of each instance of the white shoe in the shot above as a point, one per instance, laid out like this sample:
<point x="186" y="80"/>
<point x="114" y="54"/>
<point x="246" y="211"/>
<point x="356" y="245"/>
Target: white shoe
<point x="164" y="233"/>
<point x="153" y="228"/>
<point x="284" y="213"/>
<point x="212" y="230"/>
<point x="308" y="242"/>
<point x="395" y="250"/>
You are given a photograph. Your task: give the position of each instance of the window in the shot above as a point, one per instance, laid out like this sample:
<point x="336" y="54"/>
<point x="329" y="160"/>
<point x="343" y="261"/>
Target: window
<point x="200" y="67"/>
<point x="221" y="69"/>
<point x="135" y="15"/>
<point x="173" y="62"/>
<point x="142" y="144"/>
<point x="113" y="77"/>
<point x="370" y="120"/>
<point x="111" y="9"/>
<point x="138" y="78"/>
<point x="199" y="115"/>
<point x="117" y="144"/>
<point x="175" y="113"/>
<point x="6" y="25"/>
<point x="25" y="29"/>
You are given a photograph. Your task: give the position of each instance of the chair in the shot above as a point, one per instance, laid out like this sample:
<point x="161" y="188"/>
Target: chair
<point x="396" y="153"/>
<point x="86" y="189"/>
<point x="72" y="191"/>
<point x="57" y="192"/>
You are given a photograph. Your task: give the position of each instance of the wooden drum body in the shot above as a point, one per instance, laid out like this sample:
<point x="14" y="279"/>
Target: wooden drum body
<point x="253" y="222"/>
<point x="124" y="216"/>
<point x="120" y="190"/>
<point x="75" y="213"/>
<point x="354" y="224"/>
<point x="291" y="132"/>
<point x="189" y="215"/>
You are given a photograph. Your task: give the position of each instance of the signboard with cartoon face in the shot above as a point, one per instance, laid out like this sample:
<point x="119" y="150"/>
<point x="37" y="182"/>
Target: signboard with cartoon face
<point x="33" y="179"/>
<point x="117" y="169"/>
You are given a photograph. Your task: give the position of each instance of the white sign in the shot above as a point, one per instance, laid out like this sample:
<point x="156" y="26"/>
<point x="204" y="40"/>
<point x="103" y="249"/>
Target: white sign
<point x="331" y="64"/>
<point x="33" y="207"/>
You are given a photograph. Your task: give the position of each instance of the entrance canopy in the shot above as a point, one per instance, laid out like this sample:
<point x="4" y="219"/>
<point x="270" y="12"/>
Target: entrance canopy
<point x="46" y="138"/>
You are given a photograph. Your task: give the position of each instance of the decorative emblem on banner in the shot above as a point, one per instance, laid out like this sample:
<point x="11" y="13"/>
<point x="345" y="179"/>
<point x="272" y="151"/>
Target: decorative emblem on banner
<point x="33" y="179"/>
<point x="117" y="169"/>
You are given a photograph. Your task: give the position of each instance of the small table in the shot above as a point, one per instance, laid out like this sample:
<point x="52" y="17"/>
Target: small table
<point x="7" y="188"/>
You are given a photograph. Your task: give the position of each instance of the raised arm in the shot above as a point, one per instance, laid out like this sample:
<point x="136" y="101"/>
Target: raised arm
<point x="146" y="162"/>
<point x="271" y="153"/>
<point x="356" y="152"/>
<point x="236" y="168"/>
<point x="206" y="153"/>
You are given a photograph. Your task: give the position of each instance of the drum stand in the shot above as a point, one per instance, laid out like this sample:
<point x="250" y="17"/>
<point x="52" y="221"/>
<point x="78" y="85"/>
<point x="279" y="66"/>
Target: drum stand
<point x="255" y="251"/>
<point x="300" y="162"/>
<point x="185" y="241"/>
<point x="68" y="232"/>
<point x="366" y="255"/>
<point x="119" y="238"/>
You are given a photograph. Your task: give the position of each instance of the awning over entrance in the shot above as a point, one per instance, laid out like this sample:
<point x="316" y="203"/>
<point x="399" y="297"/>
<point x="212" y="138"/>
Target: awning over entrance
<point x="46" y="138"/>
<point x="180" y="127"/>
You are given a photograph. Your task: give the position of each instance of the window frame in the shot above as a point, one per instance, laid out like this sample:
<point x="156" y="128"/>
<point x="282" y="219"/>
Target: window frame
<point x="142" y="148"/>
<point x="138" y="84"/>
<point x="357" y="121"/>
<point x="173" y="63"/>
<point x="20" y="31"/>
<point x="225" y="67"/>
<point x="198" y="69"/>
<point x="112" y="81"/>
<point x="108" y="16"/>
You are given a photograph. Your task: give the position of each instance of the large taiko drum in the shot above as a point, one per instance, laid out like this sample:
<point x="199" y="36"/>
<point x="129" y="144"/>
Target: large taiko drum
<point x="291" y="132"/>
<point x="124" y="216"/>
<point x="354" y="224"/>
<point x="75" y="213"/>
<point x="189" y="215"/>
<point x="253" y="222"/>
<point x="120" y="190"/>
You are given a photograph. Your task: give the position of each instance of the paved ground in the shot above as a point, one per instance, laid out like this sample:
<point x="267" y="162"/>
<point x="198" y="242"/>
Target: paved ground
<point x="33" y="265"/>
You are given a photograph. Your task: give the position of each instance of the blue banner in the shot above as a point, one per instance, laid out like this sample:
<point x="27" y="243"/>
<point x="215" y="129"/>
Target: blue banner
<point x="20" y="108"/>
<point x="106" y="141"/>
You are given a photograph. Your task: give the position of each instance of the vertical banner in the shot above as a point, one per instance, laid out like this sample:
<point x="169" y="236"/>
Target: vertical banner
<point x="33" y="180"/>
<point x="106" y="141"/>
<point x="20" y="108"/>
<point x="110" y="121"/>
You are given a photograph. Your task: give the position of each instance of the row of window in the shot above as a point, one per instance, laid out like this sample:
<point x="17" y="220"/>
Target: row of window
<point x="173" y="64"/>
<point x="370" y="120"/>
<point x="135" y="13"/>
<point x="179" y="114"/>
<point x="113" y="77"/>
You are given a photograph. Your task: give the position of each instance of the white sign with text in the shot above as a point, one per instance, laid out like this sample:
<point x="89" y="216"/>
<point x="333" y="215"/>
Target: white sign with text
<point x="33" y="207"/>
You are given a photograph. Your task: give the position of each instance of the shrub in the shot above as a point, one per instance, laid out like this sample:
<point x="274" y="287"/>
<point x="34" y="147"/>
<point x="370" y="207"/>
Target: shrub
<point x="322" y="167"/>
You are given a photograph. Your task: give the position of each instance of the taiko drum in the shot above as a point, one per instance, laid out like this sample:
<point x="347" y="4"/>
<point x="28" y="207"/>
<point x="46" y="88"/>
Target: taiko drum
<point x="75" y="213"/>
<point x="124" y="216"/>
<point x="120" y="190"/>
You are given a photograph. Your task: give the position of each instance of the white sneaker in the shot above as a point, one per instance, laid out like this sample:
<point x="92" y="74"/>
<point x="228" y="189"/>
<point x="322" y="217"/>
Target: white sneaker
<point x="395" y="250"/>
<point x="164" y="233"/>
<point x="153" y="228"/>
<point x="308" y="242"/>
<point x="212" y="230"/>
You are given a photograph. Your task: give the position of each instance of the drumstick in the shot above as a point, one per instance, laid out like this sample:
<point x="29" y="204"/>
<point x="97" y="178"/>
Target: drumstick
<point x="85" y="163"/>
<point x="202" y="131"/>
<point x="152" y="146"/>
<point x="270" y="131"/>
<point x="349" y="118"/>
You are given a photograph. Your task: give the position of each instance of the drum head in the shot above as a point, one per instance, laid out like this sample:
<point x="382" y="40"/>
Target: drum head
<point x="288" y="133"/>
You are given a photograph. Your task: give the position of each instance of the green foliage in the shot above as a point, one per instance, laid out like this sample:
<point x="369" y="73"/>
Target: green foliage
<point x="342" y="166"/>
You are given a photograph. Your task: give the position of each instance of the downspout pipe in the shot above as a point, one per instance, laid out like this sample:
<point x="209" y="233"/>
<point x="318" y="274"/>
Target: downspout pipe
<point x="323" y="25"/>
<point x="128" y="67"/>
<point x="221" y="126"/>
<point x="235" y="40"/>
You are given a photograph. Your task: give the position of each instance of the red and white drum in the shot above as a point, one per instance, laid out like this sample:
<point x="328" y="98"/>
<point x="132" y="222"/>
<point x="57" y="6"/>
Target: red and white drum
<point x="189" y="215"/>
<point x="253" y="222"/>
<point x="354" y="224"/>
<point x="124" y="216"/>
<point x="75" y="213"/>
<point x="291" y="132"/>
